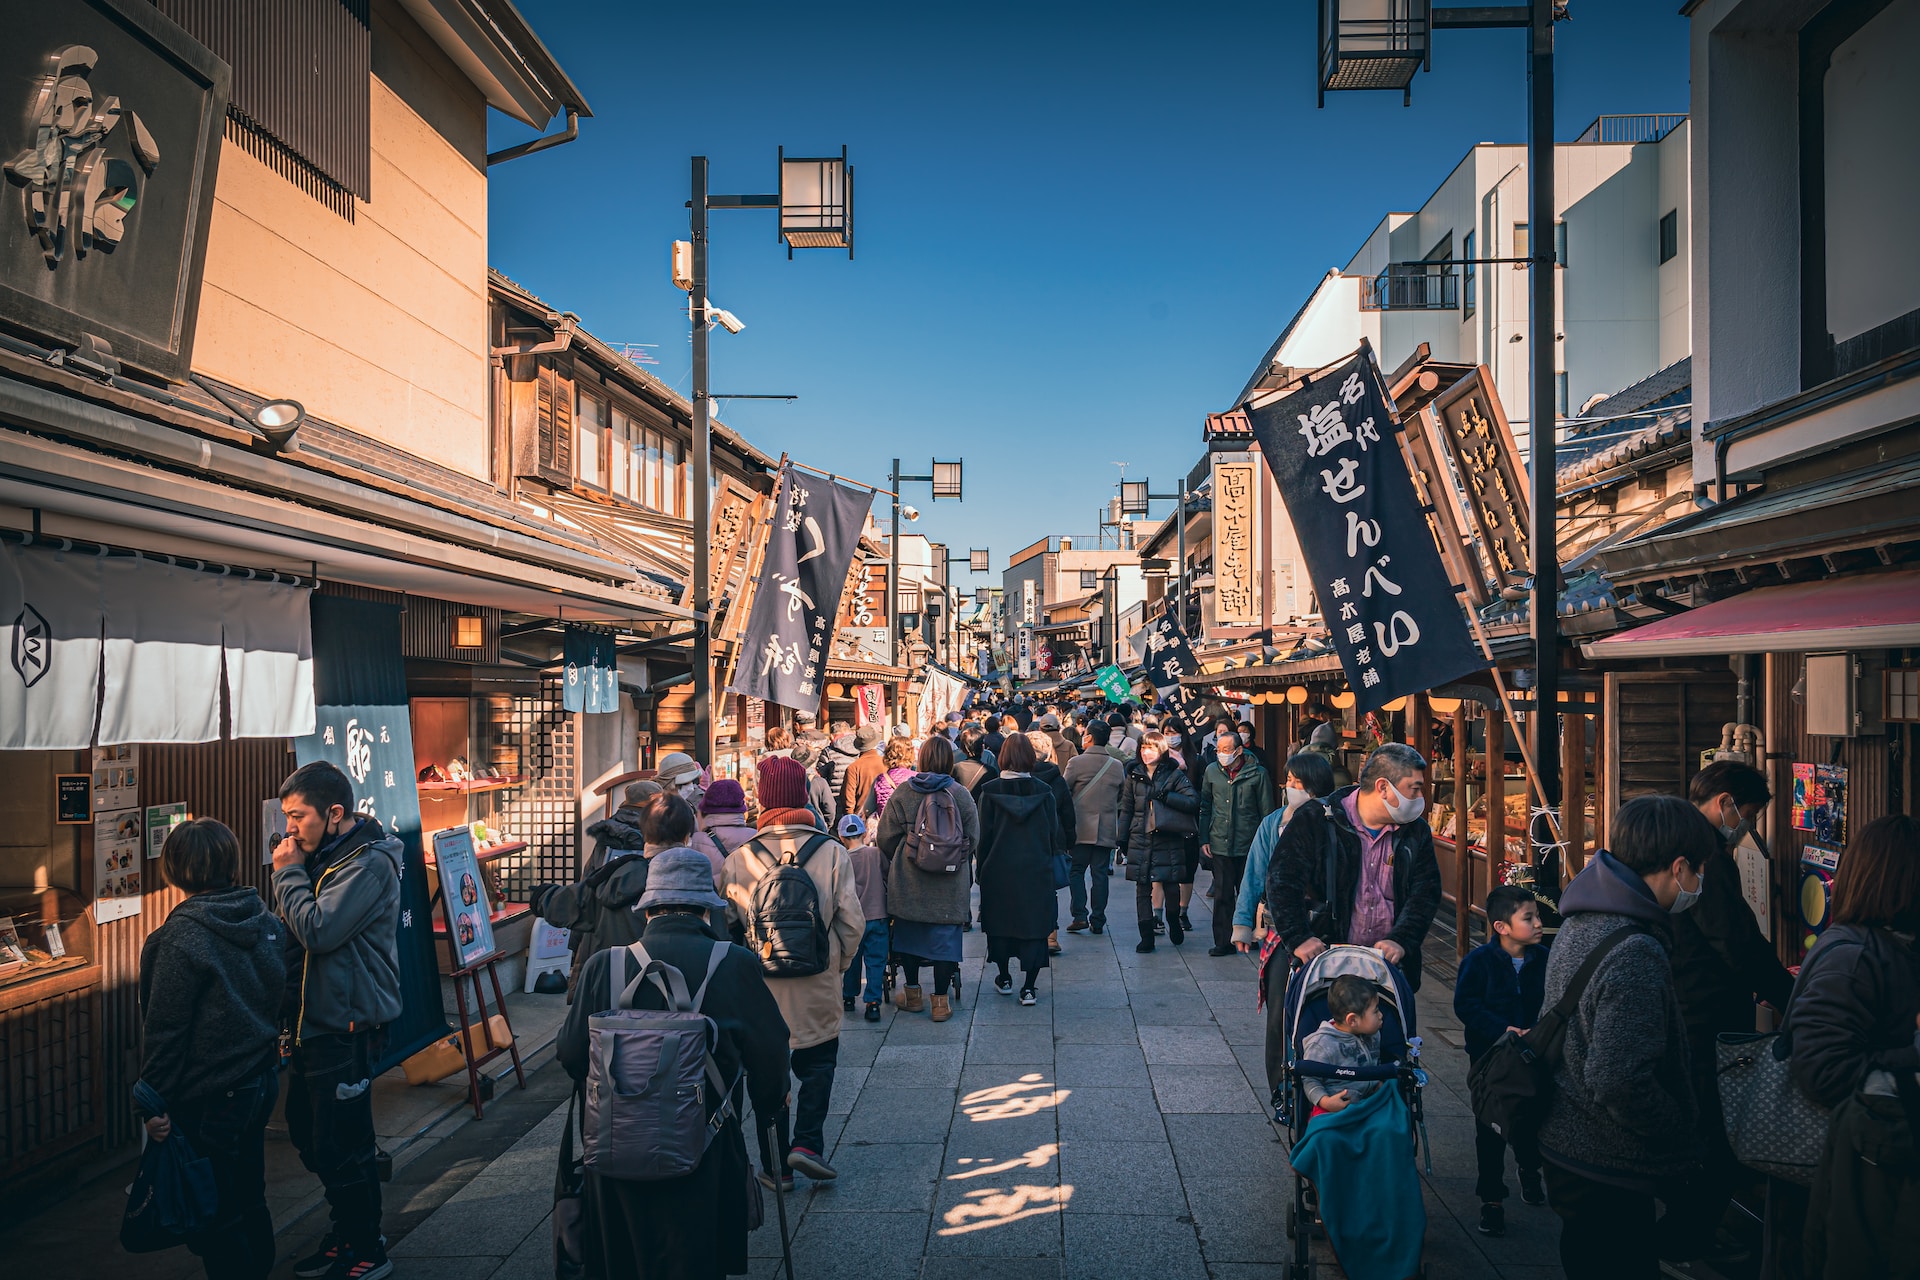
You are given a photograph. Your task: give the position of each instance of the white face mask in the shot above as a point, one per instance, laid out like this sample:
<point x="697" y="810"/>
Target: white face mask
<point x="1173" y="739"/>
<point x="1149" y="757"/>
<point x="1401" y="809"/>
<point x="1296" y="797"/>
<point x="1685" y="898"/>
<point x="1227" y="755"/>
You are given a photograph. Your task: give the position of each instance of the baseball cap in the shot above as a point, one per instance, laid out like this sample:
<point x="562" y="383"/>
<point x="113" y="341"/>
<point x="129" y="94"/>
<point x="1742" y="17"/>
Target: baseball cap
<point x="850" y="826"/>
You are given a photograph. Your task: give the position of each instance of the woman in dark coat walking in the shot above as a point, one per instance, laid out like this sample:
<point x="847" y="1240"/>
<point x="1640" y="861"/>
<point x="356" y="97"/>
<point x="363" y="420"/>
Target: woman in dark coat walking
<point x="695" y="1227"/>
<point x="1019" y="834"/>
<point x="1156" y="796"/>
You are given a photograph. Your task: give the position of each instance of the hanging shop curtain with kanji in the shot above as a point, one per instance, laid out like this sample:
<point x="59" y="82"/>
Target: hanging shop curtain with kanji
<point x="1333" y="446"/>
<point x="816" y="528"/>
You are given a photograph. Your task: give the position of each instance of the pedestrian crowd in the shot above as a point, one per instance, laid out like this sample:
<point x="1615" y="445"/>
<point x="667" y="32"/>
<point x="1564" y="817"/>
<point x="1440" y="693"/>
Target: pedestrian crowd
<point x="721" y="934"/>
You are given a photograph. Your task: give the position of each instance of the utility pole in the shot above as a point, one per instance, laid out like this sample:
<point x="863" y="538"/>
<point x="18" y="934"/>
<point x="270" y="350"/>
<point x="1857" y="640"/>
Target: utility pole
<point x="1544" y="603"/>
<point x="702" y="460"/>
<point x="893" y="571"/>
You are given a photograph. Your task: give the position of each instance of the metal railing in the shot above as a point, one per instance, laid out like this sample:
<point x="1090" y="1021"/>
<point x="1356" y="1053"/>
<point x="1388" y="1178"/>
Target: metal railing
<point x="1412" y="286"/>
<point x="1649" y="127"/>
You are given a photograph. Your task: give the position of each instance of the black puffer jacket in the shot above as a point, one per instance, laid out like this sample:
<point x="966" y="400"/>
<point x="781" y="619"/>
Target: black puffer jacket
<point x="1048" y="772"/>
<point x="1160" y="856"/>
<point x="619" y="832"/>
<point x="1019" y="834"/>
<point x="835" y="760"/>
<point x="1297" y="895"/>
<point x="1853" y="1011"/>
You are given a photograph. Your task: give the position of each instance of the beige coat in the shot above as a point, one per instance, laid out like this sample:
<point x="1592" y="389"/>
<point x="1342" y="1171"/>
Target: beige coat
<point x="811" y="1005"/>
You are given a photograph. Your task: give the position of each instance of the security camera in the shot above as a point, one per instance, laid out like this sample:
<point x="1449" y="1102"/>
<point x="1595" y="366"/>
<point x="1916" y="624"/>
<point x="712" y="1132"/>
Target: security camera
<point x="909" y="513"/>
<point x="725" y="319"/>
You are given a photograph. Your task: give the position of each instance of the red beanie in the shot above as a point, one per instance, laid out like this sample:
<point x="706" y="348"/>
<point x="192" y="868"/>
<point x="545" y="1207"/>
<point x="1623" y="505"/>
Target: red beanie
<point x="783" y="784"/>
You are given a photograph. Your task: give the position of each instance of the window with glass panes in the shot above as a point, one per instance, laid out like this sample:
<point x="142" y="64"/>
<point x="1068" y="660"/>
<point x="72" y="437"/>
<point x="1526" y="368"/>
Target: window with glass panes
<point x="625" y="440"/>
<point x="590" y="428"/>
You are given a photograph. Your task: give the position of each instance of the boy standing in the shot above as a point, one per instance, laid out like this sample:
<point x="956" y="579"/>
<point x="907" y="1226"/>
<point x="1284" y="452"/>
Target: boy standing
<point x="1350" y="1037"/>
<point x="1500" y="989"/>
<point x="870" y="881"/>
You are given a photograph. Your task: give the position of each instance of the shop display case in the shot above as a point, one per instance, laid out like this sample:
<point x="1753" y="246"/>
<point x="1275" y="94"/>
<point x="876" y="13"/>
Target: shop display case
<point x="42" y="932"/>
<point x="470" y="762"/>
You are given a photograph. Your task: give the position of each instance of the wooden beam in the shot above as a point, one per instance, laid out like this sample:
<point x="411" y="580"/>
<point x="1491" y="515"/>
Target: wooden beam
<point x="1573" y="790"/>
<point x="1462" y="850"/>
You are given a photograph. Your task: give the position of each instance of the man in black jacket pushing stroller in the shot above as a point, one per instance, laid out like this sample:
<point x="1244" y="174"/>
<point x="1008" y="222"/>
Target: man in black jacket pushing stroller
<point x="1376" y="845"/>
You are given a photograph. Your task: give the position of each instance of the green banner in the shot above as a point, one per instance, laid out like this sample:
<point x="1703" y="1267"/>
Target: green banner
<point x="1113" y="684"/>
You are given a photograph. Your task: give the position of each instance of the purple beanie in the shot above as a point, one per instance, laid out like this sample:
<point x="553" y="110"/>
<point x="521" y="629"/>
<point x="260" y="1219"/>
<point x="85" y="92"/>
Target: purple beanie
<point x="724" y="796"/>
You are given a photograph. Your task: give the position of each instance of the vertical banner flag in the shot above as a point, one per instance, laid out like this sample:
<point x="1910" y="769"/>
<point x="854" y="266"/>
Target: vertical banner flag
<point x="591" y="682"/>
<point x="1382" y="589"/>
<point x="816" y="528"/>
<point x="363" y="726"/>
<point x="942" y="693"/>
<point x="1163" y="650"/>
<point x="869" y="704"/>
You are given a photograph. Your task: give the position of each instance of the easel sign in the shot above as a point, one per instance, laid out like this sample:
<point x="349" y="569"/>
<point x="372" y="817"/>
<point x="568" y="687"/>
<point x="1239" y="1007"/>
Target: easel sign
<point x="464" y="896"/>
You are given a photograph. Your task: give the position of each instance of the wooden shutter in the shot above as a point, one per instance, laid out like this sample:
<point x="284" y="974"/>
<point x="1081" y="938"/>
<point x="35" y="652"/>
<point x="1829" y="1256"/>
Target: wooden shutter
<point x="1658" y="723"/>
<point x="552" y="437"/>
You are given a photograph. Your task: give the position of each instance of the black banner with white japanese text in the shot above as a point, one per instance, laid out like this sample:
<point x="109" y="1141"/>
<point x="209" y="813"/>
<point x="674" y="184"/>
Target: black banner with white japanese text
<point x="1385" y="596"/>
<point x="816" y="529"/>
<point x="1163" y="650"/>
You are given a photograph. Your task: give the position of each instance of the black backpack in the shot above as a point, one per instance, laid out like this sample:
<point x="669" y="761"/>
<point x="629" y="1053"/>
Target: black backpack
<point x="1511" y="1086"/>
<point x="785" y="927"/>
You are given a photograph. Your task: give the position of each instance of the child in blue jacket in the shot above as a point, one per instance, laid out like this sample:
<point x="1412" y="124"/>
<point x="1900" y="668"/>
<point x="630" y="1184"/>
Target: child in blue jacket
<point x="1501" y="986"/>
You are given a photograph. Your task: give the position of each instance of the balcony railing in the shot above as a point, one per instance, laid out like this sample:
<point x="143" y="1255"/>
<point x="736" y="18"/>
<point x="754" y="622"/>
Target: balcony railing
<point x="1641" y="128"/>
<point x="1412" y="286"/>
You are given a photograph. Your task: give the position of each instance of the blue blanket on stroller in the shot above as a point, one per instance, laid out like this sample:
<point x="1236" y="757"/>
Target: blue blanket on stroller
<point x="1360" y="1159"/>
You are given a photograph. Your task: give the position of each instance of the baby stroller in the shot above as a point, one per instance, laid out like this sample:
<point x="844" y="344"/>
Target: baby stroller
<point x="892" y="976"/>
<point x="1399" y="1063"/>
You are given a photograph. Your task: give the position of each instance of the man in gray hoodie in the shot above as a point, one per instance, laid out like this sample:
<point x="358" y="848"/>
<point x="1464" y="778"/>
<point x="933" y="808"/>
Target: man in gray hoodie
<point x="1620" y="1130"/>
<point x="336" y="883"/>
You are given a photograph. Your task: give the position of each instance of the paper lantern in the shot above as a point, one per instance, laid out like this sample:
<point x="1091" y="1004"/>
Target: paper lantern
<point x="1397" y="704"/>
<point x="836" y="690"/>
<point x="1343" y="699"/>
<point x="1297" y="695"/>
<point x="1443" y="706"/>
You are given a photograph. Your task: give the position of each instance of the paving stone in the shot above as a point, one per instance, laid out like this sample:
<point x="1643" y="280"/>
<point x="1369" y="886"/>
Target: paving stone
<point x="1112" y="1115"/>
<point x="990" y="1269"/>
<point x="859" y="1246"/>
<point x="1201" y="1088"/>
<point x="1100" y="1066"/>
<point x="847" y="1083"/>
<point x="1008" y="1223"/>
<point x="920" y="1066"/>
<point x="1184" y="1046"/>
<point x="1131" y="1247"/>
<point x="1121" y="1178"/>
<point x="885" y="1115"/>
<point x="1009" y="1043"/>
<point x="900" y="1177"/>
<point x="1154" y="1010"/>
<point x="1240" y="1220"/>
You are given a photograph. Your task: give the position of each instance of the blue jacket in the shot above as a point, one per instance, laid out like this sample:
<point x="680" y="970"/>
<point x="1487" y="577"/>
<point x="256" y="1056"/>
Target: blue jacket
<point x="1489" y="997"/>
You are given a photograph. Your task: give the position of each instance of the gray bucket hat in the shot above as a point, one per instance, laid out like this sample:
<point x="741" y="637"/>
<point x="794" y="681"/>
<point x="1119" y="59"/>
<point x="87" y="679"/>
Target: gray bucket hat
<point x="680" y="878"/>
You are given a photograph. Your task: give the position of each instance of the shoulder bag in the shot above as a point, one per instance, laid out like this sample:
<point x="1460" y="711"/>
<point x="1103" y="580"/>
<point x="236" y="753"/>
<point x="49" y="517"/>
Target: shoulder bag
<point x="1772" y="1126"/>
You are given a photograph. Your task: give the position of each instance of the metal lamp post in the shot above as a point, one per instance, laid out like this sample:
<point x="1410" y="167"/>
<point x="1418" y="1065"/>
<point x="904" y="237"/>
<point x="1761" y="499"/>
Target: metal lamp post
<point x="976" y="561"/>
<point x="945" y="477"/>
<point x="1358" y="49"/>
<point x="1134" y="497"/>
<point x="815" y="205"/>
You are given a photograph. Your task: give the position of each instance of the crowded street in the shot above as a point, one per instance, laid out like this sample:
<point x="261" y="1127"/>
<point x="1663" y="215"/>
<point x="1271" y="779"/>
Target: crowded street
<point x="1286" y="646"/>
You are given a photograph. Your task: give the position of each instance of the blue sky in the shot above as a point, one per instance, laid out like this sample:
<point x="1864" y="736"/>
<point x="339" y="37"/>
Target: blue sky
<point x="1077" y="226"/>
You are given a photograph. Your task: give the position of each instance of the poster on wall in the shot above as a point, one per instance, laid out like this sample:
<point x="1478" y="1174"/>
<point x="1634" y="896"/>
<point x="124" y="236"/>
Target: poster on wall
<point x="161" y="820"/>
<point x="116" y="865"/>
<point x="463" y="895"/>
<point x="116" y="778"/>
<point x="1819" y="802"/>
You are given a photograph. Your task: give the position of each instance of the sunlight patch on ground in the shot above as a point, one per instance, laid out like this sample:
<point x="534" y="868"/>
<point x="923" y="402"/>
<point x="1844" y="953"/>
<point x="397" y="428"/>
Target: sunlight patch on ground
<point x="987" y="1207"/>
<point x="1029" y="1095"/>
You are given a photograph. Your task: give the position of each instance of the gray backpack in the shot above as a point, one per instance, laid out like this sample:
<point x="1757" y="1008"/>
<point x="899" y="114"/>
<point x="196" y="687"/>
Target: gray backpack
<point x="649" y="1072"/>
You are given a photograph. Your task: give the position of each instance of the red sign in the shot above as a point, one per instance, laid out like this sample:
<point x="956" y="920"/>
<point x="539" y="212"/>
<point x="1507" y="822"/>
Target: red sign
<point x="869" y="704"/>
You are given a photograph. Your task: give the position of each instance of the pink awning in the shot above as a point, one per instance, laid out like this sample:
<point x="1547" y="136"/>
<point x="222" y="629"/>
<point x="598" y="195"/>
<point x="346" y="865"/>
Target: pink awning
<point x="1862" y="611"/>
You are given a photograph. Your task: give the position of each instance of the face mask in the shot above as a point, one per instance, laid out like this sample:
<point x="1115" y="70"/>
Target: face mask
<point x="1685" y="899"/>
<point x="1401" y="809"/>
<point x="1149" y="758"/>
<point x="1730" y="832"/>
<point x="1227" y="757"/>
<point x="1296" y="797"/>
<point x="1173" y="739"/>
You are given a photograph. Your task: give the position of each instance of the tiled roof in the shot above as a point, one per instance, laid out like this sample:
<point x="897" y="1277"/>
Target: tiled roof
<point x="1656" y="390"/>
<point x="1231" y="423"/>
<point x="1614" y="450"/>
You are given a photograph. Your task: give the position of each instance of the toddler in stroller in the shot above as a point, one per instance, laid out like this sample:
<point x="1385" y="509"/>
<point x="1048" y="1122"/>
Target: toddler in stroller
<point x="1350" y="1171"/>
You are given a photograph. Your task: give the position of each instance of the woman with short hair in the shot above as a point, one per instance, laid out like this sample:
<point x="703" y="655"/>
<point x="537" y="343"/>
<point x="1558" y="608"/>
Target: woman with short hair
<point x="1158" y="812"/>
<point x="212" y="977"/>
<point x="929" y="908"/>
<point x="898" y="759"/>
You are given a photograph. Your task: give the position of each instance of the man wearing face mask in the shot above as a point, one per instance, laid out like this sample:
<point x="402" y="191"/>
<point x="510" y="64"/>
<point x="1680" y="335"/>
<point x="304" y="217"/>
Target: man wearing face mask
<point x="1721" y="963"/>
<point x="1236" y="795"/>
<point x="336" y="883"/>
<point x="1386" y="883"/>
<point x="1622" y="1127"/>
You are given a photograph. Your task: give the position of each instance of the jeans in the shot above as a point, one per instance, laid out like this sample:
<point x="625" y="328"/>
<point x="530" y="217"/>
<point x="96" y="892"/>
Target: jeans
<point x="1089" y="861"/>
<point x="1225" y="893"/>
<point x="1606" y="1233"/>
<point x="330" y="1123"/>
<point x="229" y="1129"/>
<point x="872" y="957"/>
<point x="813" y="1067"/>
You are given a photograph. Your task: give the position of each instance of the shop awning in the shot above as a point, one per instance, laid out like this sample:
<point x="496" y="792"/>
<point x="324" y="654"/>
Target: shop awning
<point x="1862" y="611"/>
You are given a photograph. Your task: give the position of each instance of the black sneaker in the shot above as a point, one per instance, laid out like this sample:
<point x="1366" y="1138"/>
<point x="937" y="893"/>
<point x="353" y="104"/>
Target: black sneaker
<point x="1099" y="929"/>
<point x="1159" y="923"/>
<point x="321" y="1260"/>
<point x="1220" y="951"/>
<point x="1003" y="984"/>
<point x="1493" y="1220"/>
<point x="846" y="1003"/>
<point x="1028" y="996"/>
<point x="1531" y="1190"/>
<point x="1186" y="921"/>
<point x="811" y="1164"/>
<point x="873" y="1011"/>
<point x="1176" y="931"/>
<point x="1144" y="945"/>
<point x="350" y="1266"/>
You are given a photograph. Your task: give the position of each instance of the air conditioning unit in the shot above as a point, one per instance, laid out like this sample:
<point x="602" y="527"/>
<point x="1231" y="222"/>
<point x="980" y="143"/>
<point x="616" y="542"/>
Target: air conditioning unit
<point x="1842" y="695"/>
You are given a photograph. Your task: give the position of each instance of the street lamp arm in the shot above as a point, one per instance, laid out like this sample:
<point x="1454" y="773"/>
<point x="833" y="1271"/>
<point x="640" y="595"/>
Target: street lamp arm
<point x="743" y="202"/>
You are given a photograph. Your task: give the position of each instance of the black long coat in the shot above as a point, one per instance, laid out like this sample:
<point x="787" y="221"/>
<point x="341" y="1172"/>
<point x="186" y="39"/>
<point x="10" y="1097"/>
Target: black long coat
<point x="1019" y="834"/>
<point x="696" y="1226"/>
<point x="1158" y="856"/>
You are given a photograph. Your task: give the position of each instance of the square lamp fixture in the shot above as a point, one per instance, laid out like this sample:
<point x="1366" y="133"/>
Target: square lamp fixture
<point x="979" y="560"/>
<point x="1373" y="44"/>
<point x="1133" y="497"/>
<point x="816" y="202"/>
<point x="946" y="479"/>
<point x="469" y="632"/>
<point x="983" y="595"/>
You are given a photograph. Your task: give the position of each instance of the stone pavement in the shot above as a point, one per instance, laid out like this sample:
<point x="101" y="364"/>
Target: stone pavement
<point x="1117" y="1129"/>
